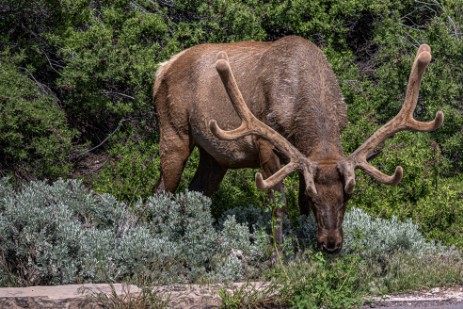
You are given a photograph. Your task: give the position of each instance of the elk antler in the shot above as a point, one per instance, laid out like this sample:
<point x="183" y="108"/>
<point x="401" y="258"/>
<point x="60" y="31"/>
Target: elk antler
<point x="251" y="125"/>
<point x="402" y="121"/>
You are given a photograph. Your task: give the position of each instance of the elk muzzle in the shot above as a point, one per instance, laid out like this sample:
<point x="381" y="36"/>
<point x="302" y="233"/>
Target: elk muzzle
<point x="330" y="240"/>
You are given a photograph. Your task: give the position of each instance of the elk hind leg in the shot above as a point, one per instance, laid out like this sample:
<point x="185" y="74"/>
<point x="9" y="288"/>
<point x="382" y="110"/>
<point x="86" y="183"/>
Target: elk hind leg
<point x="174" y="152"/>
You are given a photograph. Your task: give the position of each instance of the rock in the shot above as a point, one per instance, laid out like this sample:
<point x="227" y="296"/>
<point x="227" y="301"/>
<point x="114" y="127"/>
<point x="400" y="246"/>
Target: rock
<point x="435" y="290"/>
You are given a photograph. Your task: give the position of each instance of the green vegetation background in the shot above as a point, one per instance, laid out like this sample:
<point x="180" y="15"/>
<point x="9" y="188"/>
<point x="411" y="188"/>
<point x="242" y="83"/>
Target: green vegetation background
<point x="76" y="83"/>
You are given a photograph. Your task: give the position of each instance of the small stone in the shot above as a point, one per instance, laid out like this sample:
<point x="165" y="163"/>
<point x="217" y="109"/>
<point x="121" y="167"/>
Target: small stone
<point x="435" y="290"/>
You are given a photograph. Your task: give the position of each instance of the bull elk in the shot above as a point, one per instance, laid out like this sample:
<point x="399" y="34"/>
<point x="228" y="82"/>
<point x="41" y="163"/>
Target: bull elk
<point x="283" y="106"/>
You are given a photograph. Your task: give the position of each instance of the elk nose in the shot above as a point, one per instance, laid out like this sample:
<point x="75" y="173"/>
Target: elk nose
<point x="331" y="247"/>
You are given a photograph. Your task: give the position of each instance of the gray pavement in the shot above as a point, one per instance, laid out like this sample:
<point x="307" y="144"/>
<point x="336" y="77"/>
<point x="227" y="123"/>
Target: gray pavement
<point x="458" y="305"/>
<point x="437" y="298"/>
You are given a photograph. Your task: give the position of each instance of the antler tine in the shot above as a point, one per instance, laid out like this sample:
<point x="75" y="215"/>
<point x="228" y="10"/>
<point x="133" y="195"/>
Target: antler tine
<point x="251" y="125"/>
<point x="422" y="59"/>
<point x="402" y="121"/>
<point x="226" y="75"/>
<point x="308" y="173"/>
<point x="275" y="178"/>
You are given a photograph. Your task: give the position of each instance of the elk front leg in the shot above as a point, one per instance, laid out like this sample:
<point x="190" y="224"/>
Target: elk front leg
<point x="208" y="176"/>
<point x="304" y="206"/>
<point x="270" y="164"/>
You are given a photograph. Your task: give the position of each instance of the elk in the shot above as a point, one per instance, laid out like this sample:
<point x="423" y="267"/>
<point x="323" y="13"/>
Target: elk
<point x="282" y="112"/>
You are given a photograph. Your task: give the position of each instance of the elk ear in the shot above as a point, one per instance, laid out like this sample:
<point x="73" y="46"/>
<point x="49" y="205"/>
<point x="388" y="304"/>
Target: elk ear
<point x="347" y="170"/>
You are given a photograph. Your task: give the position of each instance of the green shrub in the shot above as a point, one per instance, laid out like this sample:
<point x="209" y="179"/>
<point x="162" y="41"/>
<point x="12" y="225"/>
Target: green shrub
<point x="254" y="217"/>
<point x="238" y="189"/>
<point x="369" y="236"/>
<point x="318" y="281"/>
<point x="131" y="173"/>
<point x="431" y="201"/>
<point x="439" y="213"/>
<point x="404" y="271"/>
<point x="374" y="96"/>
<point x="35" y="140"/>
<point x="63" y="233"/>
<point x="110" y="54"/>
<point x="377" y="237"/>
<point x="315" y="280"/>
<point x="379" y="257"/>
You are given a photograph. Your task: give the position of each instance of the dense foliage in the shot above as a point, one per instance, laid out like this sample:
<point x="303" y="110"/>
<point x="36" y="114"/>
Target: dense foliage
<point x="76" y="79"/>
<point x="63" y="233"/>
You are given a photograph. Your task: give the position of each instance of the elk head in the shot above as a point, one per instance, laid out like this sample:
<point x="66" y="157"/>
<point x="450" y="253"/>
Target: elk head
<point x="328" y="184"/>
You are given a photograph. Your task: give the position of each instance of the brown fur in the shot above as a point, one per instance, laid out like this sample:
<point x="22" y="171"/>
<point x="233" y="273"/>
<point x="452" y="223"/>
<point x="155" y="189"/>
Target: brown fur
<point x="288" y="84"/>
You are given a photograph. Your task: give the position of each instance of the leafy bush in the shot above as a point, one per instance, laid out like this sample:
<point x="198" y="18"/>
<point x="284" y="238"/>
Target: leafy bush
<point x="432" y="202"/>
<point x="379" y="256"/>
<point x="63" y="233"/>
<point x="36" y="140"/>
<point x="371" y="237"/>
<point x="439" y="213"/>
<point x="404" y="271"/>
<point x="131" y="172"/>
<point x="327" y="283"/>
<point x="110" y="51"/>
<point x="377" y="237"/>
<point x="314" y="280"/>
<point x="430" y="161"/>
<point x="185" y="221"/>
<point x="237" y="190"/>
<point x="256" y="218"/>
